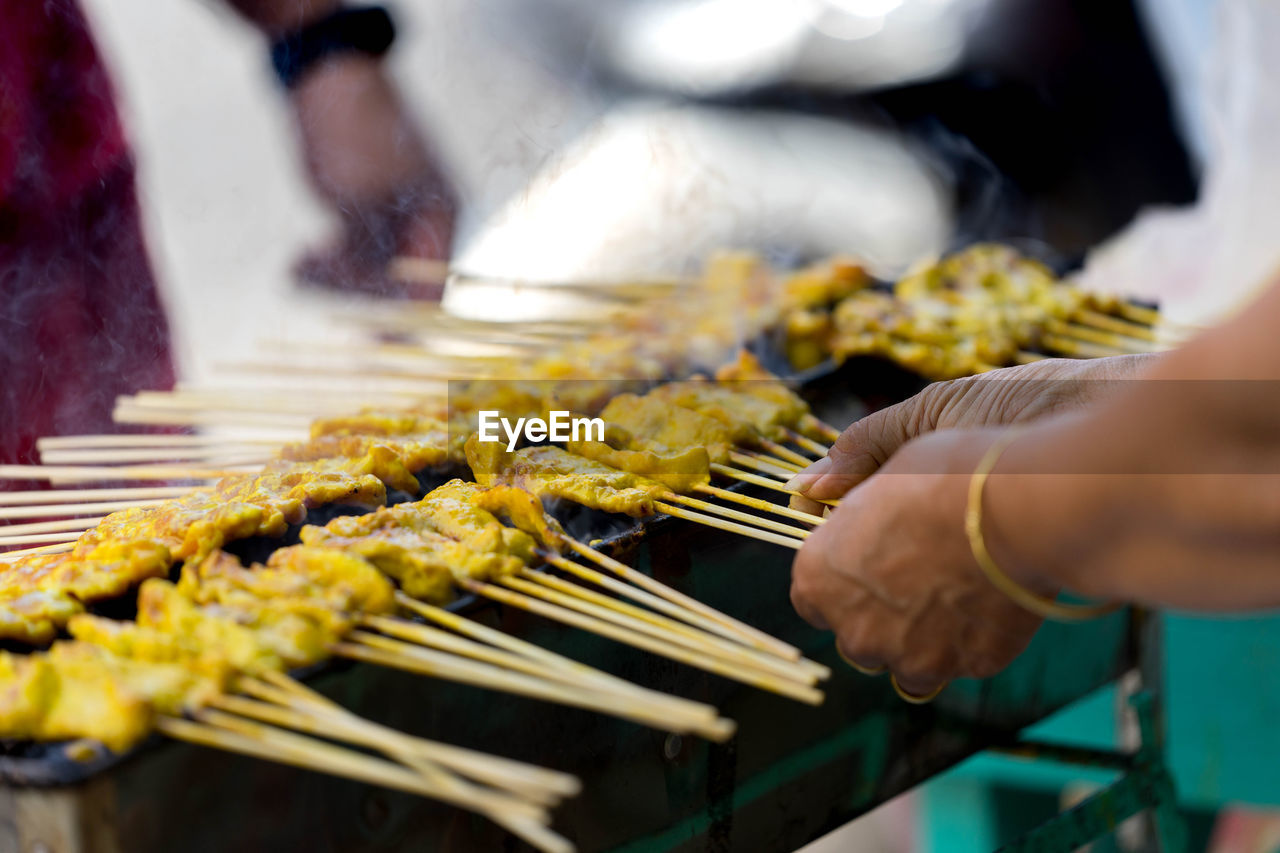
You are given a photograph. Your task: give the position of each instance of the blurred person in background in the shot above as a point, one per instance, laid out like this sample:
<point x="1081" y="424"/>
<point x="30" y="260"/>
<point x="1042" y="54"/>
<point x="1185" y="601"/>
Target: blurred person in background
<point x="81" y="319"/>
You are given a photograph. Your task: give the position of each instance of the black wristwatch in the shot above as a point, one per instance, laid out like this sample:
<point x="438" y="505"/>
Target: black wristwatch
<point x="366" y="30"/>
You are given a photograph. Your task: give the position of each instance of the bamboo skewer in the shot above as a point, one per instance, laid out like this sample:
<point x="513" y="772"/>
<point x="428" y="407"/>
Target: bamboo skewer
<point x="729" y="526"/>
<point x="819" y="426"/>
<point x="541" y="605"/>
<point x="516" y="776"/>
<point x="807" y="443"/>
<point x="749" y="635"/>
<point x="301" y="398"/>
<point x="79" y="524"/>
<point x="444" y="641"/>
<point x="653" y="702"/>
<point x="354" y="382"/>
<point x="226" y="731"/>
<point x="56" y="548"/>
<point x="765" y="506"/>
<point x="784" y="452"/>
<point x="494" y="637"/>
<point x="512" y="338"/>
<point x="755" y="480"/>
<point x="89" y="473"/>
<point x="655" y="602"/>
<point x="422" y="350"/>
<point x="40" y="539"/>
<point x="1095" y="336"/>
<point x="375" y="354"/>
<point x="763" y="467"/>
<point x="673" y="631"/>
<point x="1115" y="325"/>
<point x="784" y="464"/>
<point x="748" y="518"/>
<point x="419" y="352"/>
<point x="129" y="413"/>
<point x="516" y="815"/>
<point x="428" y="382"/>
<point x="493" y="333"/>
<point x="331" y="727"/>
<point x="225" y="455"/>
<point x="430" y="313"/>
<point x="64" y="497"/>
<point x="96" y="508"/>
<point x="433" y="332"/>
<point x="219" y="738"/>
<point x="550" y="659"/>
<point x="97" y="441"/>
<point x="481" y="766"/>
<point x="254" y="399"/>
<point x="296" y="749"/>
<point x="748" y="477"/>
<point x="1078" y="349"/>
<point x="1140" y="314"/>
<point x="425" y="635"/>
<point x="372" y="648"/>
<point x="282" y="708"/>
<point x="273" y="404"/>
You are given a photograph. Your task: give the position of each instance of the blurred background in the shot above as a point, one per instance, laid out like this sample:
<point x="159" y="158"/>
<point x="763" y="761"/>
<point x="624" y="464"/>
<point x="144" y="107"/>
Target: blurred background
<point x="606" y="140"/>
<point x="601" y="140"/>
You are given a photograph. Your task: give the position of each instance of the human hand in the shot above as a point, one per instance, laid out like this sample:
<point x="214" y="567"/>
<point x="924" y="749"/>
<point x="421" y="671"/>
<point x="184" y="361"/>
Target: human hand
<point x="892" y="575"/>
<point x="998" y="398"/>
<point x="368" y="161"/>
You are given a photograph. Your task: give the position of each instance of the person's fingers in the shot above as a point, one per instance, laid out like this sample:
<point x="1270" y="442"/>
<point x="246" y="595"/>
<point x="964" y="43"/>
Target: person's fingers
<point x="918" y="692"/>
<point x="862" y="663"/>
<point x="807" y="579"/>
<point x="806" y="609"/>
<point x="864" y="643"/>
<point x="859" y="451"/>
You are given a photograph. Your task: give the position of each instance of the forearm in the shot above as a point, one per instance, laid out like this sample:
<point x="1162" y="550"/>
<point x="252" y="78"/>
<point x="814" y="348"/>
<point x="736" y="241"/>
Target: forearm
<point x="276" y="17"/>
<point x="1168" y="493"/>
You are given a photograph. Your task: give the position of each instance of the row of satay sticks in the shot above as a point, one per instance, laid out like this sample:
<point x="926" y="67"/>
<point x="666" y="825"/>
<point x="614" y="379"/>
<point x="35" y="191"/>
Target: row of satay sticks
<point x="959" y="335"/>
<point x="1078" y="323"/>
<point x="1021" y="298"/>
<point x="659" y="620"/>
<point x="978" y="309"/>
<point x="742" y="422"/>
<point x="1012" y="291"/>
<point x="951" y="318"/>
<point x="766" y="471"/>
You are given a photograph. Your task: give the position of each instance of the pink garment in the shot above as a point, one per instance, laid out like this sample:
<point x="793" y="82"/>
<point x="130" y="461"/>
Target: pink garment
<point x="80" y="318"/>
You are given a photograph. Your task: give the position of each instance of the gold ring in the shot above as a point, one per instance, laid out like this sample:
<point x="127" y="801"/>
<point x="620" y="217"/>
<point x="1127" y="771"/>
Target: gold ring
<point x="916" y="700"/>
<point x="879" y="670"/>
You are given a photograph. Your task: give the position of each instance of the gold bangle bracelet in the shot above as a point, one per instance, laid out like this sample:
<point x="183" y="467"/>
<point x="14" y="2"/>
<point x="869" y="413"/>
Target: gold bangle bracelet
<point x="1037" y="604"/>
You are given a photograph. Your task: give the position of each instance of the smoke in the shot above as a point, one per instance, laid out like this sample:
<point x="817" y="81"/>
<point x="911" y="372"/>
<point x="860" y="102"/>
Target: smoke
<point x="585" y="524"/>
<point x="987" y="204"/>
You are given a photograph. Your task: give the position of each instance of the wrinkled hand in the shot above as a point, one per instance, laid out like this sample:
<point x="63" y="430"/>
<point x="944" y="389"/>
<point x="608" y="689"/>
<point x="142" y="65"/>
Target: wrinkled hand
<point x="998" y="398"/>
<point x="891" y="573"/>
<point x="368" y="161"/>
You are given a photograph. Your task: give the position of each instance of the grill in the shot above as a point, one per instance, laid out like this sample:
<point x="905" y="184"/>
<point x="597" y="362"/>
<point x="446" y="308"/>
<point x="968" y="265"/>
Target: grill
<point x="792" y="773"/>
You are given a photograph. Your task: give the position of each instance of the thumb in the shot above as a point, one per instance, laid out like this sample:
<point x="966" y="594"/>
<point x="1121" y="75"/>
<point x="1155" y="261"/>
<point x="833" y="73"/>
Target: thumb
<point x="859" y="452"/>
